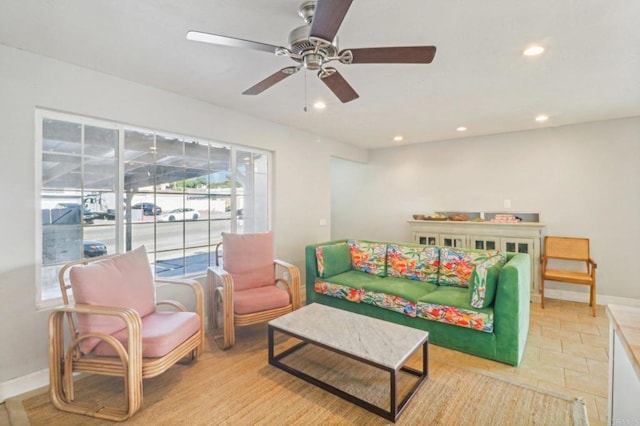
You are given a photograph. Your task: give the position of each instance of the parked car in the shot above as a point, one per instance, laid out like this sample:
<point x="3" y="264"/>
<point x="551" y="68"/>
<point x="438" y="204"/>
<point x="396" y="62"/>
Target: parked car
<point x="94" y="249"/>
<point x="148" y="209"/>
<point x="179" y="214"/>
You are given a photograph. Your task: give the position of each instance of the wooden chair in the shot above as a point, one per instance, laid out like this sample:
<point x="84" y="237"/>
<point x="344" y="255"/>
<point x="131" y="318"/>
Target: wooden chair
<point x="115" y="330"/>
<point x="569" y="249"/>
<point x="245" y="290"/>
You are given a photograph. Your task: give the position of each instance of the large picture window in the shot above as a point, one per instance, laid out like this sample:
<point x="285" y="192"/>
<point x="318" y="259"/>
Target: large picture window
<point x="108" y="188"/>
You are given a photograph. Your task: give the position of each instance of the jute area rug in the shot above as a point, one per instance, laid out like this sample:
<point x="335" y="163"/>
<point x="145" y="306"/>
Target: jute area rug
<point x="239" y="387"/>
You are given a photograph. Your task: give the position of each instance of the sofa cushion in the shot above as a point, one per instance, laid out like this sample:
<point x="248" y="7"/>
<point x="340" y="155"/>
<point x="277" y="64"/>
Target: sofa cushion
<point x="338" y="291"/>
<point x="161" y="333"/>
<point x="333" y="259"/>
<point x="484" y="281"/>
<point x="123" y="281"/>
<point x="396" y="294"/>
<point x="413" y="262"/>
<point x="451" y="305"/>
<point x="354" y="279"/>
<point x="369" y="257"/>
<point x="249" y="259"/>
<point x="456" y="265"/>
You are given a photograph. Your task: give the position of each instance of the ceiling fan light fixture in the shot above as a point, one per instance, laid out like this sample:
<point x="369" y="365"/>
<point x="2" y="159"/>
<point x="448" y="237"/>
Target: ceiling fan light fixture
<point x="542" y="118"/>
<point x="461" y="129"/>
<point x="398" y="138"/>
<point x="533" y="50"/>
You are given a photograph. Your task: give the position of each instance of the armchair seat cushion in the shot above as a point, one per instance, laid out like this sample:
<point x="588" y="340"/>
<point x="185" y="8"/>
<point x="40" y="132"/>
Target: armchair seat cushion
<point x="572" y="276"/>
<point x="259" y="299"/>
<point x="161" y="333"/>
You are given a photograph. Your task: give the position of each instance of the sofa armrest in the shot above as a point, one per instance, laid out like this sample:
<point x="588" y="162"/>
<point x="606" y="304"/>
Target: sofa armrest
<point x="512" y="306"/>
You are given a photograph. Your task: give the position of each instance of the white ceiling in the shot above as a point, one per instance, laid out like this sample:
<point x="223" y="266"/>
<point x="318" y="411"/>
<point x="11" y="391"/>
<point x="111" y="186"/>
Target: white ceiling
<point x="478" y="79"/>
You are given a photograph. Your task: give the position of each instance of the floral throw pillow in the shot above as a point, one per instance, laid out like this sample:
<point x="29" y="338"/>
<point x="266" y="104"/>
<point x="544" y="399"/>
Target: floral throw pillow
<point x="414" y="263"/>
<point x="484" y="281"/>
<point x="457" y="265"/>
<point x="369" y="257"/>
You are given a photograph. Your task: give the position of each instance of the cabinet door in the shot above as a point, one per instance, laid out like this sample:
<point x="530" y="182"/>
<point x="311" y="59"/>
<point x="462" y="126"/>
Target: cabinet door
<point x="453" y="240"/>
<point x="484" y="242"/>
<point x="426" y="238"/>
<point x="517" y="245"/>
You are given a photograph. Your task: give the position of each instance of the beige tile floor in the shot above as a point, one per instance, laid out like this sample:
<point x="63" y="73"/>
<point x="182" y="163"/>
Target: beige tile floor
<point x="567" y="352"/>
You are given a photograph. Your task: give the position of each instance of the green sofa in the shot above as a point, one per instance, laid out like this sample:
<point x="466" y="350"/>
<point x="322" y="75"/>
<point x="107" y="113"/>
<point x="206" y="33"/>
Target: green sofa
<point x="469" y="300"/>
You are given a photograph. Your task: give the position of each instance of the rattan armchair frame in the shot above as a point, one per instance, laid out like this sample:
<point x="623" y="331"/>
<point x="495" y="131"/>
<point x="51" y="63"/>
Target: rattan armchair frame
<point x="67" y="359"/>
<point x="223" y="319"/>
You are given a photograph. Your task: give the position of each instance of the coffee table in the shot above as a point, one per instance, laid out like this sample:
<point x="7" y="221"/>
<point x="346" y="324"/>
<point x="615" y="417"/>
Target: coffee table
<point x="382" y="344"/>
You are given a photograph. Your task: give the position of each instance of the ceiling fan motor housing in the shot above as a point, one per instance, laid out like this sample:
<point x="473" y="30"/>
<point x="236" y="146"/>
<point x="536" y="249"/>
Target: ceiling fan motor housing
<point x="300" y="45"/>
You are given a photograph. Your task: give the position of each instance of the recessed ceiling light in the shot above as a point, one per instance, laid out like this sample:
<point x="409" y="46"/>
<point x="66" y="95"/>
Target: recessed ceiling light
<point x="533" y="50"/>
<point x="319" y="105"/>
<point x="542" y="118"/>
<point x="398" y="138"/>
<point x="461" y="129"/>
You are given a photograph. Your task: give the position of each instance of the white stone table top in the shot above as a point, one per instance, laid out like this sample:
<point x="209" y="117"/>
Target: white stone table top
<point x="384" y="343"/>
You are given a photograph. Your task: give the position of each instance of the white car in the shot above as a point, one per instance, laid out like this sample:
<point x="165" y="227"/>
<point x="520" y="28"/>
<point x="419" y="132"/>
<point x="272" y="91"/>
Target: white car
<point x="179" y="214"/>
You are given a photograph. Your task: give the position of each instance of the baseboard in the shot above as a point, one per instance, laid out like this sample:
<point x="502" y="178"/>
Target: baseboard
<point x="23" y="384"/>
<point x="601" y="299"/>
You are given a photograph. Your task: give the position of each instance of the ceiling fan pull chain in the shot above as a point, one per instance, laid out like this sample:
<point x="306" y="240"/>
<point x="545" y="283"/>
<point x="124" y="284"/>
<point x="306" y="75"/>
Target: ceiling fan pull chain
<point x="305" y="90"/>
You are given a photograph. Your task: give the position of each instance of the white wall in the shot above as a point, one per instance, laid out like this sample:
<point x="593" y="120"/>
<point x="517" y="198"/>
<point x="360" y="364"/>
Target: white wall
<point x="27" y="81"/>
<point x="583" y="179"/>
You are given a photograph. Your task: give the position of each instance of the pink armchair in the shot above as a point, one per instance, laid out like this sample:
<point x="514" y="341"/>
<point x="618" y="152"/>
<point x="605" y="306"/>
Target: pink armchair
<point x="116" y="330"/>
<point x="245" y="289"/>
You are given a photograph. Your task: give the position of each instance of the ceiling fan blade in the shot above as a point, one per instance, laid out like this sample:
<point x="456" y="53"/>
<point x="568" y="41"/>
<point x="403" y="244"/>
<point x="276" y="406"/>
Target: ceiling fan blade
<point x="271" y="80"/>
<point x="392" y="55"/>
<point x="230" y="41"/>
<point x="337" y="84"/>
<point x="327" y="17"/>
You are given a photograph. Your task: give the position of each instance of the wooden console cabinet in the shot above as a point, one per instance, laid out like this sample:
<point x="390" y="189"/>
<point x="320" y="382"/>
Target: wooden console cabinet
<point x="523" y="237"/>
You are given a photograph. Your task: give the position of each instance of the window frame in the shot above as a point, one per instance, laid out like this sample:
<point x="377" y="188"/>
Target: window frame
<point x="42" y="114"/>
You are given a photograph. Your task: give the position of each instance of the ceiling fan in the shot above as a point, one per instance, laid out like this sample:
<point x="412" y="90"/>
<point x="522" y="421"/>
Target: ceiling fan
<point x="314" y="45"/>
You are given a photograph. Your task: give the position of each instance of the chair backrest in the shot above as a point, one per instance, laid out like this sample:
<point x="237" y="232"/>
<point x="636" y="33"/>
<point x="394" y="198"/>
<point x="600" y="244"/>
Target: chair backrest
<point x="124" y="280"/>
<point x="567" y="248"/>
<point x="249" y="259"/>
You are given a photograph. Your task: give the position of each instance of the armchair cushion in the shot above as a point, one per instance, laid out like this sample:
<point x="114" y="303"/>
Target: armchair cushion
<point x="249" y="259"/>
<point x="161" y="333"/>
<point x="123" y="281"/>
<point x="259" y="299"/>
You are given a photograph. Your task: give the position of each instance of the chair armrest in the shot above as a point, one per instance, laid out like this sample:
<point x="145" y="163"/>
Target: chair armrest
<point x="592" y="262"/>
<point x="61" y="361"/>
<point x="199" y="299"/>
<point x="219" y="280"/>
<point x="194" y="285"/>
<point x="293" y="284"/>
<point x="130" y="317"/>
